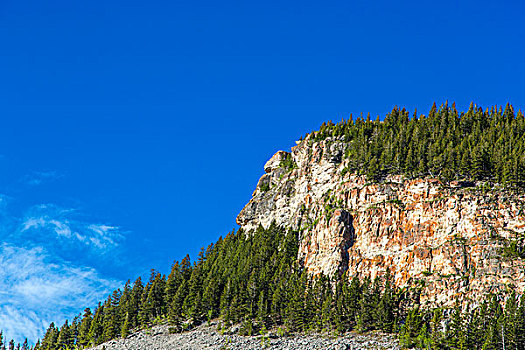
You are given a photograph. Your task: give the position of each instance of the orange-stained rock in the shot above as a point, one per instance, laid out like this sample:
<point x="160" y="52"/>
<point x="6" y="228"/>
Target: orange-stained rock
<point x="451" y="237"/>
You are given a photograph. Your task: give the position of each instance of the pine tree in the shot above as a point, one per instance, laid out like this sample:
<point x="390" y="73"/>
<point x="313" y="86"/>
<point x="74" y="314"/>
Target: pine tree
<point x="111" y="320"/>
<point x="85" y="325"/>
<point x="510" y="324"/>
<point x="96" y="329"/>
<point x="520" y="324"/>
<point x="455" y="336"/>
<point x="64" y="340"/>
<point x="175" y="311"/>
<point x="367" y="305"/>
<point x="278" y="303"/>
<point x="154" y="303"/>
<point x="133" y="306"/>
<point x="494" y="325"/>
<point x="123" y="310"/>
<point x="145" y="307"/>
<point x="479" y="322"/>
<point x="353" y="295"/>
<point x="327" y="312"/>
<point x="411" y="329"/>
<point x="385" y="307"/>
<point x="173" y="282"/>
<point x="193" y="305"/>
<point x="50" y="337"/>
<point x="295" y="312"/>
<point x="436" y="338"/>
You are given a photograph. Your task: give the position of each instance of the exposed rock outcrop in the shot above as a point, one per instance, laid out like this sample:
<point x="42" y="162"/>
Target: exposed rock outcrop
<point x="451" y="236"/>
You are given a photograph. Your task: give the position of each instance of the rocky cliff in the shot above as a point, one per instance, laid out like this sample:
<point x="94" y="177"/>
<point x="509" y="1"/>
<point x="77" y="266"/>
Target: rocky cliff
<point x="453" y="239"/>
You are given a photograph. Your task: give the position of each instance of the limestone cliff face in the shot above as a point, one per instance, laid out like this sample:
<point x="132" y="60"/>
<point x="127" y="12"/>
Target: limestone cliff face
<point x="449" y="236"/>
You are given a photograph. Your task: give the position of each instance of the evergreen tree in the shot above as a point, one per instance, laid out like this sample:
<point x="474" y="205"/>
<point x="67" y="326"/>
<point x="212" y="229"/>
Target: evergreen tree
<point x="456" y="339"/>
<point x="175" y="310"/>
<point x="173" y="282"/>
<point x="296" y="316"/>
<point x="411" y="329"/>
<point x="385" y="307"/>
<point x="50" y="338"/>
<point x="494" y="325"/>
<point x="133" y="307"/>
<point x="367" y="305"/>
<point x="509" y="323"/>
<point x="436" y="334"/>
<point x="96" y="329"/>
<point x="64" y="340"/>
<point x="85" y="325"/>
<point x="111" y="320"/>
<point x="520" y="324"/>
<point x="123" y="311"/>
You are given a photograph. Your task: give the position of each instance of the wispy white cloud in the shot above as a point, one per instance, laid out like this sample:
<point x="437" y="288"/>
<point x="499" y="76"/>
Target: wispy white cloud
<point x="104" y="235"/>
<point x="36" y="289"/>
<point x="14" y="319"/>
<point x="38" y="177"/>
<point x="51" y="263"/>
<point x="61" y="228"/>
<point x="63" y="223"/>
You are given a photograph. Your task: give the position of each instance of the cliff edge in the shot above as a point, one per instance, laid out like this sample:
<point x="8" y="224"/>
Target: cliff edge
<point x="456" y="239"/>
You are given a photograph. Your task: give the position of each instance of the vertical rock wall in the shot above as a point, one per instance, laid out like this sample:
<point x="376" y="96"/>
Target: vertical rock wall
<point x="449" y="237"/>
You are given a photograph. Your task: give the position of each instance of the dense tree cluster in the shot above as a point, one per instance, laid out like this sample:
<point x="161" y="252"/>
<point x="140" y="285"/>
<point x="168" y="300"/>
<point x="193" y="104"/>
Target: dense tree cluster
<point x="474" y="145"/>
<point x="254" y="280"/>
<point x="247" y="279"/>
<point x="489" y="326"/>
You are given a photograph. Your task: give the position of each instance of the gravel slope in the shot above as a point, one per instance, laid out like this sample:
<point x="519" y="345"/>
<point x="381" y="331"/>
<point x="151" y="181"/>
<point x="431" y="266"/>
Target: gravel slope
<point x="207" y="337"/>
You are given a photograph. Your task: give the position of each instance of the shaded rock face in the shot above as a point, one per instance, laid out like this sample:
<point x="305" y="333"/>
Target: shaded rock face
<point x="450" y="237"/>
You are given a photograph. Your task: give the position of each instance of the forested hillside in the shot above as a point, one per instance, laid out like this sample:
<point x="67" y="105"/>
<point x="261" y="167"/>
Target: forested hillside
<point x="249" y="279"/>
<point x="475" y="145"/>
<point x="255" y="280"/>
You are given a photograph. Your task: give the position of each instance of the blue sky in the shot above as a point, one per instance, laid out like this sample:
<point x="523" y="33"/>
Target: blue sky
<point x="133" y="132"/>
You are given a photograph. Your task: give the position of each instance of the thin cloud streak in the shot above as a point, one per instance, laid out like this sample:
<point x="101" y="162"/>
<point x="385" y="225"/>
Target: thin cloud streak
<point x="51" y="260"/>
<point x="38" y="177"/>
<point x="62" y="222"/>
<point x="37" y="290"/>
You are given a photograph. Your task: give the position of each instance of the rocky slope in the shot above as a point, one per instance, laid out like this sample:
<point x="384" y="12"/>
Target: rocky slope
<point x="207" y="337"/>
<point x="449" y="238"/>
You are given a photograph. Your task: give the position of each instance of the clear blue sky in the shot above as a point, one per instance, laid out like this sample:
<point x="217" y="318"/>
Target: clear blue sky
<point x="133" y="132"/>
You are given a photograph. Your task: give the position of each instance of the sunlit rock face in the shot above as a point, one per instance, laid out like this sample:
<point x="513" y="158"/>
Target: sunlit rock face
<point x="447" y="238"/>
